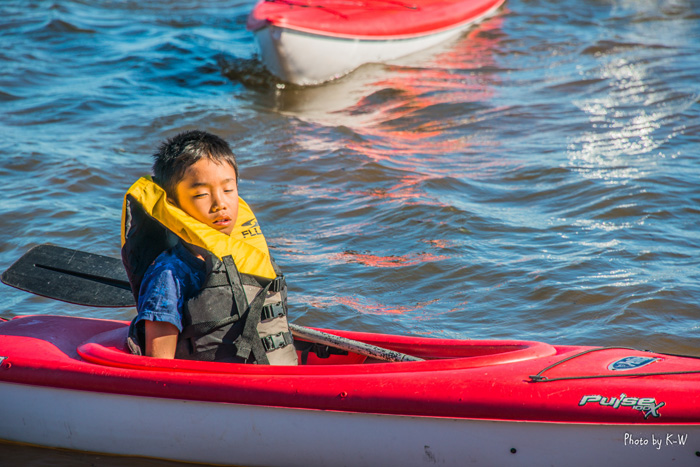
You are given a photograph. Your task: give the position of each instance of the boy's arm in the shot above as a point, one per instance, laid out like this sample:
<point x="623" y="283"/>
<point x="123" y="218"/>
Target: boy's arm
<point x="161" y="339"/>
<point x="160" y="302"/>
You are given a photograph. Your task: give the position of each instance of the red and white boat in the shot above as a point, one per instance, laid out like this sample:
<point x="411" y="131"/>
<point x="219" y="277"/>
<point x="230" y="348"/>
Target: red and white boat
<point x="68" y="382"/>
<point x="312" y="41"/>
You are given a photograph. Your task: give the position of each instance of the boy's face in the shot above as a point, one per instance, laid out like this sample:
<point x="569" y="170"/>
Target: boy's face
<point x="208" y="192"/>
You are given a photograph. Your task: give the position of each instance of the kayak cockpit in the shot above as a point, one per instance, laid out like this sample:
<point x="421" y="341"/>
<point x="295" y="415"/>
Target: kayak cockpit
<point x="109" y="349"/>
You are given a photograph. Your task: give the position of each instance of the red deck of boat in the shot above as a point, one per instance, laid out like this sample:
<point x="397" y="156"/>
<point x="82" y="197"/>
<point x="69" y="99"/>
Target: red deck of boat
<point x="368" y="19"/>
<point x="460" y="379"/>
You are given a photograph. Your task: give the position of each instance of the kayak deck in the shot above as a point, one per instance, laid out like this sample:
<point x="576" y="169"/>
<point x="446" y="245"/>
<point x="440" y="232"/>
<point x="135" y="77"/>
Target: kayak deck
<point x="459" y="378"/>
<point x="368" y="19"/>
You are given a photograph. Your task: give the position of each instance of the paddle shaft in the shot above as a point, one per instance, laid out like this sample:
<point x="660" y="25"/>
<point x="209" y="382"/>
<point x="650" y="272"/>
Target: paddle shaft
<point x="350" y="345"/>
<point x="95" y="280"/>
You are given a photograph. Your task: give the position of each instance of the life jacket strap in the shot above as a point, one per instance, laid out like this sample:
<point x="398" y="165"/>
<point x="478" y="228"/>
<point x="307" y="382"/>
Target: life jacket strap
<point x="234" y="280"/>
<point x="220" y="278"/>
<point x="276" y="310"/>
<point x="249" y="341"/>
<point x="277" y="341"/>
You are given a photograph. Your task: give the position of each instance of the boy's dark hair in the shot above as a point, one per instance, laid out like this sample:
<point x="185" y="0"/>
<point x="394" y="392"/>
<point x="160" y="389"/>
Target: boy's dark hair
<point x="176" y="154"/>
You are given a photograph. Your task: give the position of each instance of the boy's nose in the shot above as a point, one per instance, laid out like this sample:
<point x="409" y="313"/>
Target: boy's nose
<point x="217" y="204"/>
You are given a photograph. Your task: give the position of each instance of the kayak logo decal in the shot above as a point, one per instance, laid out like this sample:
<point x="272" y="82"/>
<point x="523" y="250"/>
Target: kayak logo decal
<point x="647" y="405"/>
<point x="631" y="363"/>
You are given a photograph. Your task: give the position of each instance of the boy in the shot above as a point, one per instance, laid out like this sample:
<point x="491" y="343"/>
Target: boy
<point x="199" y="267"/>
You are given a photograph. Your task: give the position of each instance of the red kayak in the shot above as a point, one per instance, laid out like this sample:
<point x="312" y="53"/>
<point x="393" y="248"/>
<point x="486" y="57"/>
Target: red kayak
<point x="309" y="42"/>
<point x="69" y="382"/>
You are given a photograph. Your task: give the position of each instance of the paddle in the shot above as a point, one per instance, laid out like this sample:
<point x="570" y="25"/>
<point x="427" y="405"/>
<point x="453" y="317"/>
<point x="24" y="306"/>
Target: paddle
<point x="95" y="280"/>
<point x="71" y="276"/>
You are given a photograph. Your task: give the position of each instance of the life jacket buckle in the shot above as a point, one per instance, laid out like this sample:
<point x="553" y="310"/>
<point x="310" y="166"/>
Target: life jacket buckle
<point x="277" y="341"/>
<point x="277" y="284"/>
<point x="276" y="310"/>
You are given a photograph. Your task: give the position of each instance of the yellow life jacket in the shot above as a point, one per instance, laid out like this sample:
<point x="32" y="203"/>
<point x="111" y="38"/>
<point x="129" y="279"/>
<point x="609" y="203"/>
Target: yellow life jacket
<point x="246" y="244"/>
<point x="240" y="314"/>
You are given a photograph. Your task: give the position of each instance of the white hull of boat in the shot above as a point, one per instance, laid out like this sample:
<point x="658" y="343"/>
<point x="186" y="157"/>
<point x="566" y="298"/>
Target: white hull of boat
<point x="305" y="59"/>
<point x="227" y="434"/>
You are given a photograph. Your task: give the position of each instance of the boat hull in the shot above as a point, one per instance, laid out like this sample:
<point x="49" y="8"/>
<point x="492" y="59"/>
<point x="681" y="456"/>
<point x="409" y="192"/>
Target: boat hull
<point x="306" y="57"/>
<point x="70" y="382"/>
<point x="233" y="434"/>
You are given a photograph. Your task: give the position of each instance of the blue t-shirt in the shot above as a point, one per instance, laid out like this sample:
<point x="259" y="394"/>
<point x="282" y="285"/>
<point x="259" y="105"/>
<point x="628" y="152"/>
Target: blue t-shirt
<point x="175" y="276"/>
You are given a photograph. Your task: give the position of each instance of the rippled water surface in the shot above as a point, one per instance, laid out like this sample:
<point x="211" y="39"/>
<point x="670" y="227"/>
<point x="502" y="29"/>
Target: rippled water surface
<point x="537" y="178"/>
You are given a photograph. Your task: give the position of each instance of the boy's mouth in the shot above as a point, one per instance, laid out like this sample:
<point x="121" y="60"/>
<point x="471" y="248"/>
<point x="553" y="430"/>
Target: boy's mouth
<point x="222" y="221"/>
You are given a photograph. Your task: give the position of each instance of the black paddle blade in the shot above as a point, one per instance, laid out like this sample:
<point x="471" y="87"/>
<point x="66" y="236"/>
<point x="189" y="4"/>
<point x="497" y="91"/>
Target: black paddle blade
<point x="71" y="276"/>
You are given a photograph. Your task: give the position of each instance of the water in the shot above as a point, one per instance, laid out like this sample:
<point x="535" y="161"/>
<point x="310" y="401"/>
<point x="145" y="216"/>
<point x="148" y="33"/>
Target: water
<point x="537" y="178"/>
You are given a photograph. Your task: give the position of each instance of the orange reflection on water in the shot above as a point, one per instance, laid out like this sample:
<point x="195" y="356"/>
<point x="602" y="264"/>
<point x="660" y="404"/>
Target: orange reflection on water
<point x="407" y="191"/>
<point x="373" y="308"/>
<point x="403" y="129"/>
<point x="389" y="261"/>
<point x="367" y="306"/>
<point x="439" y="243"/>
